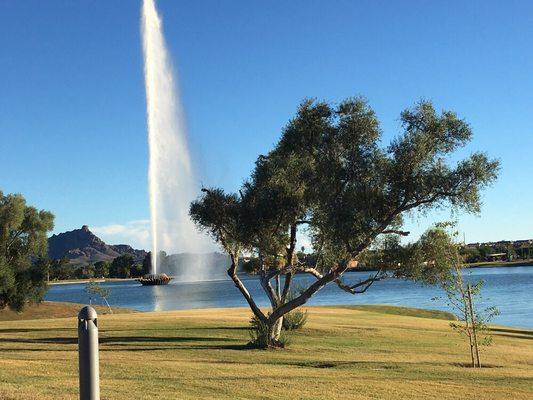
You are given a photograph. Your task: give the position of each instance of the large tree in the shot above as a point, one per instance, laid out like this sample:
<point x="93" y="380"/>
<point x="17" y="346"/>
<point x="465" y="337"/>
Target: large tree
<point x="23" y="251"/>
<point x="121" y="266"/>
<point x="101" y="269"/>
<point x="330" y="176"/>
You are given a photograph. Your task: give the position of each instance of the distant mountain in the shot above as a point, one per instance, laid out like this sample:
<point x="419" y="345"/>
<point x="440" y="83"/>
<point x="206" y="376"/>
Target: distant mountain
<point x="81" y="246"/>
<point x="138" y="255"/>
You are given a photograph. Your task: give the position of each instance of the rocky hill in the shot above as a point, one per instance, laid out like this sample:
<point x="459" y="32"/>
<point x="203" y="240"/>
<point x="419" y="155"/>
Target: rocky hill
<point x="82" y="246"/>
<point x="138" y="255"/>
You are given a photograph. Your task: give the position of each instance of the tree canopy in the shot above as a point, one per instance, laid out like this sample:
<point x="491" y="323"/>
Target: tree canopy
<point x="330" y="175"/>
<point x="122" y="266"/>
<point x="23" y="251"/>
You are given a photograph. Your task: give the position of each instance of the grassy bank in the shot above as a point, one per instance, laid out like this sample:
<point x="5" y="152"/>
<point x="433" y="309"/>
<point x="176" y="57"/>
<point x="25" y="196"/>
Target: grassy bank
<point x="343" y="353"/>
<point x="52" y="309"/>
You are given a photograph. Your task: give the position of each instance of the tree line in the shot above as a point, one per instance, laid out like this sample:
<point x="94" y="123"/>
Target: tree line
<point x="121" y="267"/>
<point x="474" y="254"/>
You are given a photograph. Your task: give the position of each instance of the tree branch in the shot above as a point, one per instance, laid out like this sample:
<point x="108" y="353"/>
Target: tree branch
<point x="269" y="290"/>
<point x="286" y="287"/>
<point x="302" y="298"/>
<point x="238" y="283"/>
<point x="395" y="232"/>
<point x="289" y="262"/>
<point x="292" y="246"/>
<point x="13" y="239"/>
<point x="365" y="284"/>
<point x="350" y="288"/>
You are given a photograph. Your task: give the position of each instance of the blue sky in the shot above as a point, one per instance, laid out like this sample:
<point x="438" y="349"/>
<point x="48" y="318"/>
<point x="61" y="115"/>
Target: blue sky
<point x="72" y="106"/>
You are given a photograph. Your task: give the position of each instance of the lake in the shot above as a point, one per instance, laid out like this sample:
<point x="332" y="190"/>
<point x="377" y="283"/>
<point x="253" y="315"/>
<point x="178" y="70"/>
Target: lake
<point x="508" y="288"/>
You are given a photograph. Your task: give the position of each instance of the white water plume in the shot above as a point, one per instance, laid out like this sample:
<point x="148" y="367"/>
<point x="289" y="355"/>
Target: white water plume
<point x="170" y="177"/>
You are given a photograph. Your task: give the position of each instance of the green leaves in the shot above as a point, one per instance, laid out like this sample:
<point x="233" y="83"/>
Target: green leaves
<point x="432" y="258"/>
<point x="23" y="251"/>
<point x="330" y="170"/>
<point x="94" y="288"/>
<point x="122" y="266"/>
<point x="220" y="215"/>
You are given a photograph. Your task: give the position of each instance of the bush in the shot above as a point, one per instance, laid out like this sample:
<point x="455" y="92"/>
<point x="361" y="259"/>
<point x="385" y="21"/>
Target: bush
<point x="294" y="320"/>
<point x="261" y="335"/>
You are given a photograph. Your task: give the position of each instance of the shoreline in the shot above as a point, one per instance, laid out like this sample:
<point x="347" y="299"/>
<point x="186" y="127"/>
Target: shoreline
<point x="97" y="280"/>
<point x="486" y="264"/>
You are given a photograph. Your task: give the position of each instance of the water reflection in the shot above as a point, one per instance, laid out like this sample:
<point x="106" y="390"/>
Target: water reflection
<point x="157" y="295"/>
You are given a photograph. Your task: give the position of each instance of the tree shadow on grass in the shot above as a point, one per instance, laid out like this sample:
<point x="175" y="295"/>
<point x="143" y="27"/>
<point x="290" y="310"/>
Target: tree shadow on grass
<point x="30" y="330"/>
<point x="159" y="339"/>
<point x="376" y="365"/>
<point x="117" y="343"/>
<point x="223" y="328"/>
<point x="103" y="331"/>
<point x="469" y="365"/>
<point x="512" y="333"/>
<point x="177" y="328"/>
<point x="201" y="347"/>
<point x="50" y="340"/>
<point x="24" y="349"/>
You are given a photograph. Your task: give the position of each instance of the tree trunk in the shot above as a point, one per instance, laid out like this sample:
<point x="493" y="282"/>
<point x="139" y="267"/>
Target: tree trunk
<point x="472" y="350"/>
<point x="473" y="320"/>
<point x="276" y="330"/>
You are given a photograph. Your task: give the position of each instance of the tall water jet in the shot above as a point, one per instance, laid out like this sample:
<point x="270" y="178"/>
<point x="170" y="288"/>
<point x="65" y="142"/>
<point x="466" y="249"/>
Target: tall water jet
<point x="170" y="181"/>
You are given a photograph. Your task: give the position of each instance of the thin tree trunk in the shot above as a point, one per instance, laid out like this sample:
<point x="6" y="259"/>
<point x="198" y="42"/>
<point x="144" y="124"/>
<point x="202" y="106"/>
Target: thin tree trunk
<point x="108" y="306"/>
<point x="473" y="320"/>
<point x="468" y="329"/>
<point x="471" y="349"/>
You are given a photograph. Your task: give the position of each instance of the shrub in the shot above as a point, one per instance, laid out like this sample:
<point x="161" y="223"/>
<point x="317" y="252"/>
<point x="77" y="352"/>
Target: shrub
<point x="261" y="335"/>
<point x="294" y="320"/>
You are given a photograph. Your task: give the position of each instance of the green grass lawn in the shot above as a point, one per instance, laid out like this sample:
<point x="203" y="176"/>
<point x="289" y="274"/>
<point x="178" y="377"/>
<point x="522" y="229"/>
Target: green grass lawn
<point x="370" y="352"/>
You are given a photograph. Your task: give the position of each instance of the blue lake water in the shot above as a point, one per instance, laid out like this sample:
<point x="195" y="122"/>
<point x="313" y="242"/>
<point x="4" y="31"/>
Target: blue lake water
<point x="508" y="288"/>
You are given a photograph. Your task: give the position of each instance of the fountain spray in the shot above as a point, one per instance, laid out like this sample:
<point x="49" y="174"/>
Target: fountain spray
<point x="170" y="179"/>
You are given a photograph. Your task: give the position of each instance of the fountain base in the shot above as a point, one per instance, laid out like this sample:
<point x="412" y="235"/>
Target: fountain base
<point x="154" y="279"/>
